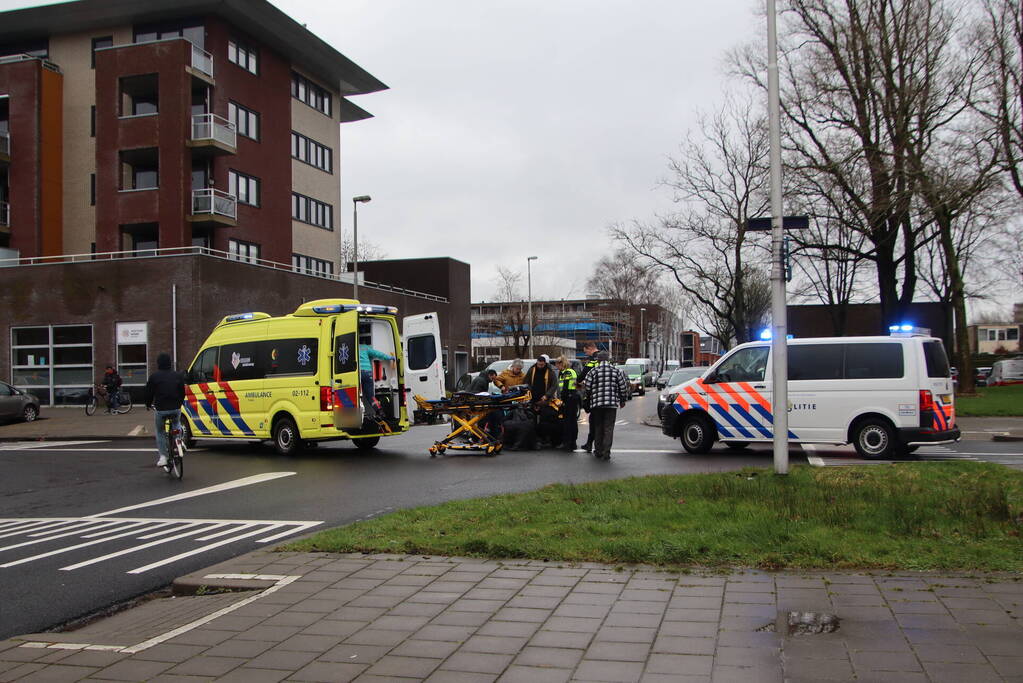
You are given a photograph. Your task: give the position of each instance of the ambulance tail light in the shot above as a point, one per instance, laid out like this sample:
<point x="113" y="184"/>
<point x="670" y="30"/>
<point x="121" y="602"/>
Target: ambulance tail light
<point x="326" y="399"/>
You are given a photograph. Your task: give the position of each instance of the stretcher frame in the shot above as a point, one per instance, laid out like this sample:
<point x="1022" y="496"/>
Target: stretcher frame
<point x="468" y="411"/>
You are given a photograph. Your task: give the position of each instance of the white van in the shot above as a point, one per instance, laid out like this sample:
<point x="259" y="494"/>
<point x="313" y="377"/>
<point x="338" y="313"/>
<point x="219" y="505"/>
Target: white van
<point x="424" y="367"/>
<point x="885" y="395"/>
<point x="1008" y="371"/>
<point x="648" y="372"/>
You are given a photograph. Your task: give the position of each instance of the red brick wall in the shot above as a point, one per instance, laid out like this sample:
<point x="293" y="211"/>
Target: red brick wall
<point x="21" y="81"/>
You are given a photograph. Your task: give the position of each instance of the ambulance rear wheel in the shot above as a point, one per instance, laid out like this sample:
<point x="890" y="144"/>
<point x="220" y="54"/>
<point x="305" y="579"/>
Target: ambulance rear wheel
<point x="697" y="434"/>
<point x="186" y="433"/>
<point x="285" y="435"/>
<point x="874" y="439"/>
<point x="366" y="444"/>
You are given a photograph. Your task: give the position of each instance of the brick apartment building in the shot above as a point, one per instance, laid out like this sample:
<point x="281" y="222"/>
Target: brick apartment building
<point x="141" y="139"/>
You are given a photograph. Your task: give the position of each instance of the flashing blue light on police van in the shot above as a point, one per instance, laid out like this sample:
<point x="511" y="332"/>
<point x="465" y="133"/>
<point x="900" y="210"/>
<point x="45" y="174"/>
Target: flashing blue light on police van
<point x="765" y="334"/>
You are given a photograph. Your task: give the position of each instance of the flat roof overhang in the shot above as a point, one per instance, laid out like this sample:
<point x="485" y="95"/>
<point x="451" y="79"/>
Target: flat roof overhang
<point x="260" y="19"/>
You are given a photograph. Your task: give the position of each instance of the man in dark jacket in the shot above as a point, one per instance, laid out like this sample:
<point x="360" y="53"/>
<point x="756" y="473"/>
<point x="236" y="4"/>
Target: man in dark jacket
<point x="112" y="385"/>
<point x="542" y="380"/>
<point x="481" y="383"/>
<point x="165" y="391"/>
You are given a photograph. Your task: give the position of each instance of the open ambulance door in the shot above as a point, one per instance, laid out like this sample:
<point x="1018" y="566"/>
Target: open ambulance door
<point x="424" y="370"/>
<point x="345" y="365"/>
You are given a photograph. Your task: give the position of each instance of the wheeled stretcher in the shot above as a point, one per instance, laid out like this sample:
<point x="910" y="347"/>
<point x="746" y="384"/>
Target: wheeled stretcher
<point x="468" y="413"/>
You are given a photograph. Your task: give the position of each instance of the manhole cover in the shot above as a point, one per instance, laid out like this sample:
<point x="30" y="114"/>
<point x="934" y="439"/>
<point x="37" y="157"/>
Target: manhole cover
<point x="810" y="623"/>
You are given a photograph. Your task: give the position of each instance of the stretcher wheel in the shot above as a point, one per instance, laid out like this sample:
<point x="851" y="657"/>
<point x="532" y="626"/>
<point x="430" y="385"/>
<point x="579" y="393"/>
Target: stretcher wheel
<point x="433" y="451"/>
<point x="490" y="450"/>
<point x="498" y="447"/>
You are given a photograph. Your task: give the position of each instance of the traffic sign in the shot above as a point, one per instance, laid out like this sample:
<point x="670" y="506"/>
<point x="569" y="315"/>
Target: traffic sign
<point x="787" y="223"/>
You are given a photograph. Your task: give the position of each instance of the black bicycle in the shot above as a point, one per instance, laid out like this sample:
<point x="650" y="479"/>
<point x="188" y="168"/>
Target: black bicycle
<point x="97" y="392"/>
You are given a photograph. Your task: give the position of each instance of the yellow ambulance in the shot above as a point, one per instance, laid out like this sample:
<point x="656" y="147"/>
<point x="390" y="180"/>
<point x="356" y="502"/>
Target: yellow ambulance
<point x="295" y="379"/>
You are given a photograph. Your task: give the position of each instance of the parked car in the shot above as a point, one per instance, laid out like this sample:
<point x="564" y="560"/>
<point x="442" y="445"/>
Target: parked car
<point x="662" y="379"/>
<point x="17" y="404"/>
<point x="982" y="375"/>
<point x="670" y="393"/>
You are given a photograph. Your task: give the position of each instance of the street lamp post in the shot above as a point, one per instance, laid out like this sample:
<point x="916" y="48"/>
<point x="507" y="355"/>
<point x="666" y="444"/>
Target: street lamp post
<point x="779" y="342"/>
<point x="642" y="333"/>
<point x="361" y="199"/>
<point x="529" y="293"/>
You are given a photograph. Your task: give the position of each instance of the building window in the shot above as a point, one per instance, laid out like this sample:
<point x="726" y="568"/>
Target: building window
<point x="92" y="121"/>
<point x="92" y="189"/>
<point x="311" y="152"/>
<point x="140" y="169"/>
<point x="311" y="266"/>
<point x="243" y="251"/>
<point x="244" y="187"/>
<point x="53" y="362"/>
<point x="306" y="91"/>
<point x="312" y="211"/>
<point x="194" y="33"/>
<point x="245" y="120"/>
<point x="99" y="44"/>
<point x="1003" y="334"/>
<point x="140" y="95"/>
<point x="242" y="55"/>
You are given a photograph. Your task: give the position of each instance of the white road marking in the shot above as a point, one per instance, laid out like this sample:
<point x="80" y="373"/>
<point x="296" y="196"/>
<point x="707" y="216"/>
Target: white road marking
<point x="282" y="581"/>
<point x="136" y="431"/>
<point x="142" y="529"/>
<point x="35" y="445"/>
<point x="247" y="481"/>
<point x="814" y="460"/>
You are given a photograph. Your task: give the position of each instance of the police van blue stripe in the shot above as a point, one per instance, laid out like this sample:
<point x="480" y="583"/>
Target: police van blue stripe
<point x="764" y="431"/>
<point x="735" y="423"/>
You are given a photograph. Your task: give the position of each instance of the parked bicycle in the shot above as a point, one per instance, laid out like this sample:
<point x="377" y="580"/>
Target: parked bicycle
<point x="99" y="392"/>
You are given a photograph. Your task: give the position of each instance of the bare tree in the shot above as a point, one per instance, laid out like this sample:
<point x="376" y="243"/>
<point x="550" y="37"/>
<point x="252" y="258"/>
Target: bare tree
<point x="507" y="285"/>
<point x="620" y="276"/>
<point x="720" y="181"/>
<point x="368" y="251"/>
<point x="1000" y="42"/>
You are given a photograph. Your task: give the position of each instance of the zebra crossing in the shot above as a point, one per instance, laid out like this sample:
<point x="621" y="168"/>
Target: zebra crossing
<point x="86" y="541"/>
<point x="846" y="457"/>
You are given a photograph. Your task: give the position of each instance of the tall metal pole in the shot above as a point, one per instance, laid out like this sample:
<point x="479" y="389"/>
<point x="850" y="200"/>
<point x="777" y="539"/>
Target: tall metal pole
<point x="529" y="293"/>
<point x="779" y="327"/>
<point x="361" y="199"/>
<point x="642" y="333"/>
<point x="355" y="250"/>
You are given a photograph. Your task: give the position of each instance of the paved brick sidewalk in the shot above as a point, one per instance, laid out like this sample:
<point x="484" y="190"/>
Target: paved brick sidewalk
<point x="400" y="618"/>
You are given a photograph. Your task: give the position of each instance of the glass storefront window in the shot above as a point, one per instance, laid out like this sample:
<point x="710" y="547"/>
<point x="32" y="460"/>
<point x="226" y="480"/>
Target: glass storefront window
<point x="54" y="362"/>
<point x="31" y="336"/>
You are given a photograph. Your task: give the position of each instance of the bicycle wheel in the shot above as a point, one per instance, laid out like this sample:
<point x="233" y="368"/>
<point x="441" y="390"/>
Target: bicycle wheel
<point x="90" y="405"/>
<point x="178" y="459"/>
<point x="126" y="404"/>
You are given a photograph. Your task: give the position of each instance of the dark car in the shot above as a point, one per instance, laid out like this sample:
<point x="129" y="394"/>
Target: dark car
<point x="670" y="392"/>
<point x="17" y="404"/>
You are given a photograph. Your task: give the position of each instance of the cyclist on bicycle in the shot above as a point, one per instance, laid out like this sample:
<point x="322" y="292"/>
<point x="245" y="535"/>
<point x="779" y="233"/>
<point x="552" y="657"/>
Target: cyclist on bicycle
<point x="112" y="385"/>
<point x="165" y="391"/>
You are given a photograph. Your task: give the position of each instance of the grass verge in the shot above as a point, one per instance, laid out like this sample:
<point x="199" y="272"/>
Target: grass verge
<point x="953" y="515"/>
<point x="1004" y="401"/>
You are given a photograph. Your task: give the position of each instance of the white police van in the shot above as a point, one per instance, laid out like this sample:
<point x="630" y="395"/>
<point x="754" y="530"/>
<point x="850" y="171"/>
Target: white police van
<point x="884" y="395"/>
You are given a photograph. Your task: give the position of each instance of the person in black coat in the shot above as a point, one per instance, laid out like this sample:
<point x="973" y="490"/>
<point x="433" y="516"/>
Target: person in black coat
<point x="165" y="391"/>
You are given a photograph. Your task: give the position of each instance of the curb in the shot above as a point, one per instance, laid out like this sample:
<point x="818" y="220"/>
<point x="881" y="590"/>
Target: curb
<point x="197" y="585"/>
<point x="73" y="437"/>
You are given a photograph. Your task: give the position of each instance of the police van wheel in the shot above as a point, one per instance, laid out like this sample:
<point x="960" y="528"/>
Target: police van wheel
<point x="697" y="434"/>
<point x="874" y="439"/>
<point x="366" y="444"/>
<point x="285" y="436"/>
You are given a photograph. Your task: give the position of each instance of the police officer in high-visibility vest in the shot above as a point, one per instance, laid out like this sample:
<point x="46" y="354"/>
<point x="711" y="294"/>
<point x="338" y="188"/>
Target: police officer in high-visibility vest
<point x="569" y="396"/>
<point x="590" y="349"/>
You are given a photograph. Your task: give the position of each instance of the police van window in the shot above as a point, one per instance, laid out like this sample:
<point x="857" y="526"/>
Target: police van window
<point x="241" y="361"/>
<point x="422" y="352"/>
<point x="746" y="365"/>
<point x="291" y="356"/>
<point x="202" y="369"/>
<point x="874" y="361"/>
<point x="815" y="361"/>
<point x="937" y="361"/>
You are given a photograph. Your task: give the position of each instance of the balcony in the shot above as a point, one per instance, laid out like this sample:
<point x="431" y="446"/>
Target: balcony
<point x="5" y="217"/>
<point x="213" y="134"/>
<point x="5" y="147"/>
<point x="202" y="64"/>
<point x="213" y="207"/>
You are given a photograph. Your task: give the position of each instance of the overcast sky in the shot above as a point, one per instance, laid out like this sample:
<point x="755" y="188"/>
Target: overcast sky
<point x="523" y="128"/>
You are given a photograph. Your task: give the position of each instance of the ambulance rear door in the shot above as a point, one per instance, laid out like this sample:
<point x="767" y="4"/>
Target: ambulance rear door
<point x="345" y="367"/>
<point x="424" y="372"/>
